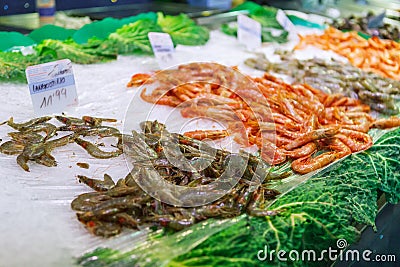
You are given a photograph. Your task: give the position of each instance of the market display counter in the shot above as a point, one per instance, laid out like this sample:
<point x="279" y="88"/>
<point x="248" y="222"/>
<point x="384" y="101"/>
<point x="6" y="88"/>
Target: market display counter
<point x="39" y="227"/>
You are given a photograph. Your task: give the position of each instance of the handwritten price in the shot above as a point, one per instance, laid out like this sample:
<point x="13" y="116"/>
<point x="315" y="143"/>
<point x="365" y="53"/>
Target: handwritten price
<point x="57" y="95"/>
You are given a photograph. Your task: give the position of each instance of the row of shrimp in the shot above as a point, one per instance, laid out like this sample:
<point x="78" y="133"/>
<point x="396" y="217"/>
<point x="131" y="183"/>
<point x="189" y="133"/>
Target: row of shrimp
<point x="286" y="122"/>
<point x="34" y="140"/>
<point x="189" y="81"/>
<point x="372" y="55"/>
<point x="125" y="205"/>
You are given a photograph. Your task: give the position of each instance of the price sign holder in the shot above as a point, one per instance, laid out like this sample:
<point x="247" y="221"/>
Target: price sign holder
<point x="52" y="87"/>
<point x="163" y="49"/>
<point x="249" y="32"/>
<point x="285" y="22"/>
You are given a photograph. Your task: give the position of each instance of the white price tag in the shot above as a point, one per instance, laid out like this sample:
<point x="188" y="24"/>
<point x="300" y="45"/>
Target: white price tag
<point x="249" y="32"/>
<point x="163" y="48"/>
<point x="285" y="22"/>
<point x="52" y="86"/>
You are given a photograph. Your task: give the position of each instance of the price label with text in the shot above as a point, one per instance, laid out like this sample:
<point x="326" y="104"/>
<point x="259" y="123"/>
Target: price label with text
<point x="52" y="86"/>
<point x="163" y="48"/>
<point x="285" y="22"/>
<point x="249" y="32"/>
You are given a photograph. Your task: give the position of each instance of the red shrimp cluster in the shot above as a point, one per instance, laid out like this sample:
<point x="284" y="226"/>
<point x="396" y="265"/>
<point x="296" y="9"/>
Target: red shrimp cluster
<point x="286" y="122"/>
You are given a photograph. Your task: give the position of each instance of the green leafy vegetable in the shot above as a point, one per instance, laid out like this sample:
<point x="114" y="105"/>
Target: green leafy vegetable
<point x="383" y="160"/>
<point x="265" y="15"/>
<point x="229" y="30"/>
<point x="132" y="38"/>
<point x="162" y="249"/>
<point x="267" y="18"/>
<point x="13" y="65"/>
<point x="97" y="29"/>
<point x="266" y="35"/>
<point x="103" y="28"/>
<point x="183" y="30"/>
<point x="93" y="52"/>
<point x="313" y="216"/>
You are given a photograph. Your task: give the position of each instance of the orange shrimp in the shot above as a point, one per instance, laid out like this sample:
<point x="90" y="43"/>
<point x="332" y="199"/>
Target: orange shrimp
<point x="249" y="96"/>
<point x="241" y="135"/>
<point x="148" y="98"/>
<point x="171" y="101"/>
<point x="359" y="108"/>
<point x="386" y="123"/>
<point x="308" y="164"/>
<point x="310" y="124"/>
<point x="168" y="100"/>
<point x="373" y="54"/>
<point x="331" y="114"/>
<point x="358" y="115"/>
<point x="139" y="79"/>
<point x="271" y="153"/>
<point x="339" y="147"/>
<point x="283" y="131"/>
<point x="346" y="101"/>
<point x="207" y="134"/>
<point x="293" y="112"/>
<point x="355" y="140"/>
<point x="361" y="125"/>
<point x="275" y="138"/>
<point x="213" y="112"/>
<point x="183" y="92"/>
<point x="303" y="151"/>
<point x="318" y="93"/>
<point x="210" y="99"/>
<point x="308" y="106"/>
<point x="312" y="136"/>
<point x="282" y="119"/>
<point x="330" y="99"/>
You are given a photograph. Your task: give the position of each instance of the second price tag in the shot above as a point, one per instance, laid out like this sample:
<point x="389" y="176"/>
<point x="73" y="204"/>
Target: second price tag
<point x="249" y="32"/>
<point x="163" y="48"/>
<point x="285" y="22"/>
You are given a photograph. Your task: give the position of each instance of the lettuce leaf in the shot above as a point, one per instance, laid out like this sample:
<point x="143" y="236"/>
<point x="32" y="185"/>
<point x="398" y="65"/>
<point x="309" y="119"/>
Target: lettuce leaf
<point x="81" y="54"/>
<point x="266" y="16"/>
<point x="383" y="160"/>
<point x="263" y="14"/>
<point x="13" y="65"/>
<point x="183" y="30"/>
<point x="266" y="35"/>
<point x="132" y="38"/>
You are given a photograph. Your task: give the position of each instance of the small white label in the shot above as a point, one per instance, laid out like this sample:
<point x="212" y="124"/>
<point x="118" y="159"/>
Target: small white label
<point x="249" y="32"/>
<point x="285" y="22"/>
<point x="163" y="48"/>
<point x="52" y="87"/>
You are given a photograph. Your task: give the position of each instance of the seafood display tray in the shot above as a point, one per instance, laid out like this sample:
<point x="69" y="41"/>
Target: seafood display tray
<point x="38" y="226"/>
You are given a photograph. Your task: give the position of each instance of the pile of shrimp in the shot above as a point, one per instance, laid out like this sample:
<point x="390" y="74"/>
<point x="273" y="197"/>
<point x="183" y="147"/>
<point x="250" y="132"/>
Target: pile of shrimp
<point x="286" y="122"/>
<point x="373" y="55"/>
